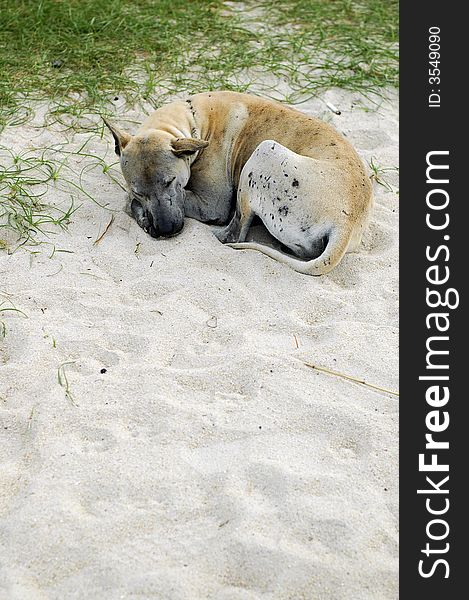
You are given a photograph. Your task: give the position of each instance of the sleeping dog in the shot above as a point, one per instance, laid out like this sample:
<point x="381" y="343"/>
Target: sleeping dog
<point x="225" y="157"/>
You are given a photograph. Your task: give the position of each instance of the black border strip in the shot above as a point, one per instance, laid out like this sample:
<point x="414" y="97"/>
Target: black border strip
<point x="426" y="128"/>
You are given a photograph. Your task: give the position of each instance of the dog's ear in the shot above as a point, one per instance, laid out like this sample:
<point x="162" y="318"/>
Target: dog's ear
<point x="121" y="139"/>
<point x="185" y="146"/>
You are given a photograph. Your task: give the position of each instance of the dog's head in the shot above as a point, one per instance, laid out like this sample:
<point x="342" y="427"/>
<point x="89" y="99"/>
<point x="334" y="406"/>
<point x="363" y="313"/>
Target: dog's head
<point x="156" y="168"/>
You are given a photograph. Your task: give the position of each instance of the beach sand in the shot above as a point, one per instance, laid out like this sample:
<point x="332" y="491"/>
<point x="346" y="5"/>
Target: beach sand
<point x="161" y="435"/>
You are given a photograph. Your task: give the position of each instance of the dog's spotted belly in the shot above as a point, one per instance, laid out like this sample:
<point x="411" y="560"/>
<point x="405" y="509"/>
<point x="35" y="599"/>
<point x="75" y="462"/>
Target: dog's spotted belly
<point x="273" y="182"/>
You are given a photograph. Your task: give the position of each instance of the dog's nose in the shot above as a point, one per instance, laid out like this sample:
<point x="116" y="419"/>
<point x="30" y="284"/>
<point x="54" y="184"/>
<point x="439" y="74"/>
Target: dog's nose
<point x="160" y="227"/>
<point x="165" y="230"/>
<point x="178" y="227"/>
<point x="169" y="229"/>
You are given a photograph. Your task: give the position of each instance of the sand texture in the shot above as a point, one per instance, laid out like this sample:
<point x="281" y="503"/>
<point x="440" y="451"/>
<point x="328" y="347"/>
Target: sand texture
<point x="207" y="461"/>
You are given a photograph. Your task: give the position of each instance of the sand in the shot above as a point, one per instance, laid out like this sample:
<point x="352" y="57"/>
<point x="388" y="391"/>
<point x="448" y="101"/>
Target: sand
<point x="207" y="460"/>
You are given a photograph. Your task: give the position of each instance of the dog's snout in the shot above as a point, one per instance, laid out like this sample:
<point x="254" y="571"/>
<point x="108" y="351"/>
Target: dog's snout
<point x="177" y="227"/>
<point x="168" y="229"/>
<point x="160" y="217"/>
<point x="161" y="228"/>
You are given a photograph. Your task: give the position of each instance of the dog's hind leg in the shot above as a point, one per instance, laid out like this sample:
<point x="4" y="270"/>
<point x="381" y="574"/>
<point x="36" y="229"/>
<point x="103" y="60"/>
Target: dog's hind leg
<point x="238" y="227"/>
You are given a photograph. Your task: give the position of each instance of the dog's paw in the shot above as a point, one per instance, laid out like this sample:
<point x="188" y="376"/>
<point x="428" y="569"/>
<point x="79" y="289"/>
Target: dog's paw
<point x="226" y="235"/>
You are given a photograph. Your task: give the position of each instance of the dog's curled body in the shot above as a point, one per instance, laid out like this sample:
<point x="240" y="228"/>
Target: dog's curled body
<point x="274" y="184"/>
<point x="258" y="157"/>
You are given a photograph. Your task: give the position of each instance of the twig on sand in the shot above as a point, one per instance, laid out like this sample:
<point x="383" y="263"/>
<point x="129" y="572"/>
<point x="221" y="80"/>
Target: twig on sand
<point x="296" y="341"/>
<point x="96" y="242"/>
<point x="351" y="378"/>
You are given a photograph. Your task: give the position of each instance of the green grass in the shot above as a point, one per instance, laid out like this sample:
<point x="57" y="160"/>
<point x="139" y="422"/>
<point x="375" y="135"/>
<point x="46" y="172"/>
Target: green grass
<point x="27" y="177"/>
<point x="24" y="181"/>
<point x="79" y="55"/>
<point x="3" y="311"/>
<point x="101" y="48"/>
<point x="351" y="44"/>
<point x="379" y="174"/>
<point x="64" y="383"/>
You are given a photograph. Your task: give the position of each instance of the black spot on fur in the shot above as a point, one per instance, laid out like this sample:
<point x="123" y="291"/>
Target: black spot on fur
<point x="283" y="210"/>
<point x="295" y="183"/>
<point x="191" y="107"/>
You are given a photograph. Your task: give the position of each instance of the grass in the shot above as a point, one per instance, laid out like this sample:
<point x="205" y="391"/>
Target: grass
<point x="350" y="44"/>
<point x="378" y="174"/>
<point x="81" y="55"/>
<point x="24" y="181"/>
<point x="26" y="178"/>
<point x="64" y="383"/>
<point x="7" y="309"/>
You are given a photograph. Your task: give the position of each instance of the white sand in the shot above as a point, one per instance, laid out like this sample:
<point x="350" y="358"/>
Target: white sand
<point x="208" y="461"/>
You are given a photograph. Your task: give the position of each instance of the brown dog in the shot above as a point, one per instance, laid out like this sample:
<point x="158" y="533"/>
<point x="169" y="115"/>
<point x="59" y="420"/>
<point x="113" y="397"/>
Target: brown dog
<point x="222" y="151"/>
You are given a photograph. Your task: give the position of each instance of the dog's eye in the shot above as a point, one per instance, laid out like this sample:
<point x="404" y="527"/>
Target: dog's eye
<point x="168" y="182"/>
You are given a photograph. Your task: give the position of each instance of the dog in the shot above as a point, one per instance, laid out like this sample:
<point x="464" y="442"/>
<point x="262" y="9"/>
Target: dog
<point x="224" y="157"/>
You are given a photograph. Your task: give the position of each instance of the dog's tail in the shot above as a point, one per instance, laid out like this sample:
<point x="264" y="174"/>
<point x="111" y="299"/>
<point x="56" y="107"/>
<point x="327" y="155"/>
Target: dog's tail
<point x="337" y="244"/>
